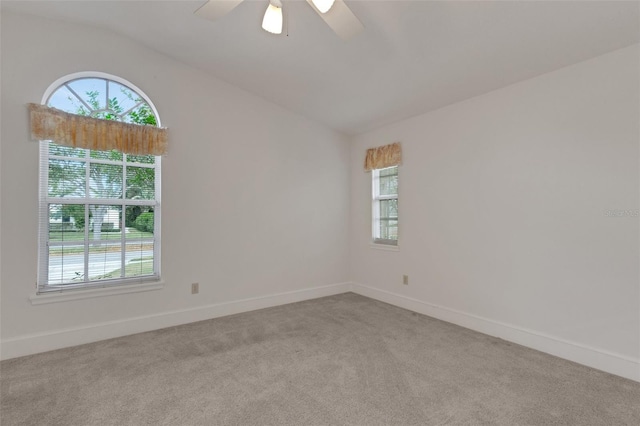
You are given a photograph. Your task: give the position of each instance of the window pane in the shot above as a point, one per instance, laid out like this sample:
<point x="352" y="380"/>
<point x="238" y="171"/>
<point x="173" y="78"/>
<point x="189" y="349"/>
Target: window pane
<point x="92" y="91"/>
<point x="66" y="264"/>
<point x="389" y="209"/>
<point x="64" y="100"/>
<point x="139" y="222"/>
<point x="105" y="245"/>
<point x="140" y="183"/>
<point x="146" y="159"/>
<point x="112" y="155"/>
<point x="389" y="171"/>
<point x="121" y="99"/>
<point x="106" y="181"/>
<point x="66" y="178"/>
<point x="388" y="185"/>
<point x="104" y="223"/>
<point x="66" y="222"/>
<point x="141" y="115"/>
<point x="105" y="260"/>
<point x="139" y="259"/>
<point x="388" y="229"/>
<point x="65" y="151"/>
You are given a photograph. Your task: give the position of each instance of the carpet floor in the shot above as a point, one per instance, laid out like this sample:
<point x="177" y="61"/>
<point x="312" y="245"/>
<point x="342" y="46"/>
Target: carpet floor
<point x="339" y="360"/>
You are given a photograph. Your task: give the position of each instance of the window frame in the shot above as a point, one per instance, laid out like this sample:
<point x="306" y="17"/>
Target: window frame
<point x="376" y="197"/>
<point x="42" y="284"/>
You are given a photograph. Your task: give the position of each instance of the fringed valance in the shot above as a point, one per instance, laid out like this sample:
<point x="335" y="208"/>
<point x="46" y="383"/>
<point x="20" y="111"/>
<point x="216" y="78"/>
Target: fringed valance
<point x="383" y="156"/>
<point x="80" y="131"/>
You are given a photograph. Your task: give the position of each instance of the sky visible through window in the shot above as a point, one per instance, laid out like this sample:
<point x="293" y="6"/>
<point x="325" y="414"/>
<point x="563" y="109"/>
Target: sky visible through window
<point x="65" y="99"/>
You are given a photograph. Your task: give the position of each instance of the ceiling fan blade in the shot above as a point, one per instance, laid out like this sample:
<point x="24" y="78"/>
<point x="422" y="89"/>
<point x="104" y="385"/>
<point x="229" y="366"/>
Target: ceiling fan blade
<point x="214" y="9"/>
<point x="341" y="19"/>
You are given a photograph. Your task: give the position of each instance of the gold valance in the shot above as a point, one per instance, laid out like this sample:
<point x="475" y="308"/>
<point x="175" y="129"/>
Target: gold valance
<point x="383" y="156"/>
<point x="80" y="131"/>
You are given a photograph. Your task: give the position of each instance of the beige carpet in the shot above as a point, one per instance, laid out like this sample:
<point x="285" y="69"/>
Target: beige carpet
<point x="340" y="360"/>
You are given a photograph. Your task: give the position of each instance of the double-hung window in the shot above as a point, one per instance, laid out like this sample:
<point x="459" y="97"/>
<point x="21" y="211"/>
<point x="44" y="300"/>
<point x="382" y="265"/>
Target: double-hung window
<point x="385" y="205"/>
<point x="383" y="162"/>
<point x="99" y="210"/>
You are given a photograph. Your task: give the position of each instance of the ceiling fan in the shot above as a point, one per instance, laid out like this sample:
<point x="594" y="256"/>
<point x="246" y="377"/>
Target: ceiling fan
<point x="334" y="12"/>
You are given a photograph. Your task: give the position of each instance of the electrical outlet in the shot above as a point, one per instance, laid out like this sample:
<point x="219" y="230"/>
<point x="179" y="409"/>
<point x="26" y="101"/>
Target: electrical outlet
<point x="405" y="279"/>
<point x="195" y="288"/>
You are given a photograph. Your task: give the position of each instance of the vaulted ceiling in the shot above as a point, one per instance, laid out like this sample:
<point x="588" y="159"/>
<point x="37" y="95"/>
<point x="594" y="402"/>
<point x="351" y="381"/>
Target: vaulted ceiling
<point x="413" y="56"/>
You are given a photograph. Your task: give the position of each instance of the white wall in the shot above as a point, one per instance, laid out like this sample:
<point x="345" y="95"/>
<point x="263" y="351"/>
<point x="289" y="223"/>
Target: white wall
<point x="502" y="203"/>
<point x="255" y="198"/>
<point x="502" y="214"/>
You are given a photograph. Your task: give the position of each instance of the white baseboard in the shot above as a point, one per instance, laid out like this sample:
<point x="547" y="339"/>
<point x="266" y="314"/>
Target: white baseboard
<point x="617" y="364"/>
<point x="596" y="358"/>
<point x="43" y="342"/>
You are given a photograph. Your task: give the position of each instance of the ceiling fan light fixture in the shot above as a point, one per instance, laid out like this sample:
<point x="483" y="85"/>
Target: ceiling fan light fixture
<point x="272" y="21"/>
<point x="323" y="6"/>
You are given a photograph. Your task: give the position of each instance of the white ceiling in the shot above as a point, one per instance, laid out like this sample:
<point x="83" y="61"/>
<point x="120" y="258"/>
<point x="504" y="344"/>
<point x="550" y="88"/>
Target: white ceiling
<point x="413" y="57"/>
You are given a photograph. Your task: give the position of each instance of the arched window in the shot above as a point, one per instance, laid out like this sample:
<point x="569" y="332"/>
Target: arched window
<point x="99" y="210"/>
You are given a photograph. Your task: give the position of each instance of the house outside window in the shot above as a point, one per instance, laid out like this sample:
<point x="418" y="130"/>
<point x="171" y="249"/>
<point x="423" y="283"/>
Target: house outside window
<point x="99" y="210"/>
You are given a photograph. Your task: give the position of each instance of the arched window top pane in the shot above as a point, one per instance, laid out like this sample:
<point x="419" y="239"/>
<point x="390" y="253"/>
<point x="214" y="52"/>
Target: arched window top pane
<point x="104" y="98"/>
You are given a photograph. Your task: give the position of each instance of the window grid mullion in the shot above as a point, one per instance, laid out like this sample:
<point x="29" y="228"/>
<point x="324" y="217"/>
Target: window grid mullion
<point x="114" y="201"/>
<point x="79" y="98"/>
<point x="100" y="161"/>
<point x="124" y="114"/>
<point x="386" y="197"/>
<point x="143" y="240"/>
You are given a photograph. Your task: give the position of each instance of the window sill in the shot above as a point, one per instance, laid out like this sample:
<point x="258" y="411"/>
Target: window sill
<point x="78" y="294"/>
<point x="384" y="247"/>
